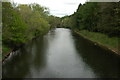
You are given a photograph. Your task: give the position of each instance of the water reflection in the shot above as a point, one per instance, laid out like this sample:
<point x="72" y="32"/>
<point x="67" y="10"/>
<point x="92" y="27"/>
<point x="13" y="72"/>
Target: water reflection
<point x="62" y="60"/>
<point x="20" y="63"/>
<point x="61" y="54"/>
<point x="103" y="62"/>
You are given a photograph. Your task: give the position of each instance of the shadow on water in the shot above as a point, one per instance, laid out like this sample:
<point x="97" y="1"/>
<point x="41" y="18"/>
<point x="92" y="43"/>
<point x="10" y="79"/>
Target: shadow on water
<point x="19" y="63"/>
<point x="30" y="58"/>
<point x="61" y="54"/>
<point x="104" y="63"/>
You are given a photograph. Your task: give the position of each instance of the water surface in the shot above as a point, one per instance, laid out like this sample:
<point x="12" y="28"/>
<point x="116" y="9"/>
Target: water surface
<point x="61" y="54"/>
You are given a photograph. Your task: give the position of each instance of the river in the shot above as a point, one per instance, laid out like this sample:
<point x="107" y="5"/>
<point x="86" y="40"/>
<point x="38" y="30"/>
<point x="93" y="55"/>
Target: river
<point x="61" y="54"/>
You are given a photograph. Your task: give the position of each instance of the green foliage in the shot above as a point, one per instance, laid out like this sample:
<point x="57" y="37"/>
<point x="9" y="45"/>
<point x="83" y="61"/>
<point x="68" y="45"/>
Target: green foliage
<point x="35" y="17"/>
<point x="54" y="21"/>
<point x="66" y="22"/>
<point x="108" y="18"/>
<point x="14" y="27"/>
<point x="101" y="17"/>
<point x="23" y="23"/>
<point x="43" y="11"/>
<point x="86" y="16"/>
<point x="99" y="22"/>
<point x="0" y="13"/>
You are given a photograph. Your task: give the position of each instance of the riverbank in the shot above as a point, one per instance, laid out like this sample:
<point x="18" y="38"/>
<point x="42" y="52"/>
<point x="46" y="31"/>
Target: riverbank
<point x="101" y="40"/>
<point x="6" y="52"/>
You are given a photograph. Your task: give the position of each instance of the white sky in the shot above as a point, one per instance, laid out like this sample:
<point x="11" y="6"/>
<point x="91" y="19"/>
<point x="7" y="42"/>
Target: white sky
<point x="58" y="8"/>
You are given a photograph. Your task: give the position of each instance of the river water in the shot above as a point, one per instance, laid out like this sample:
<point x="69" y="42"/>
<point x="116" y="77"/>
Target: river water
<point x="61" y="54"/>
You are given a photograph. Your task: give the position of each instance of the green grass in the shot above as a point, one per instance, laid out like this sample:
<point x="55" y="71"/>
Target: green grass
<point x="5" y="51"/>
<point x="110" y="42"/>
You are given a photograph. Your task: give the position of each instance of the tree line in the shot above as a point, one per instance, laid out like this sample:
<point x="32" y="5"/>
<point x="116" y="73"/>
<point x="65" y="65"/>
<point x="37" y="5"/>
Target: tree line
<point x="100" y="17"/>
<point x="23" y="22"/>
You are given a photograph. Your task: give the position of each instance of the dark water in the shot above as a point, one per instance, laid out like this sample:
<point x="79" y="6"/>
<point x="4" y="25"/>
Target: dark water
<point x="61" y="54"/>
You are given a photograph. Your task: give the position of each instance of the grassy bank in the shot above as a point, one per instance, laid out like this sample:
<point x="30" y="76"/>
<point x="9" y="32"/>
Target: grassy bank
<point x="102" y="39"/>
<point x="5" y="50"/>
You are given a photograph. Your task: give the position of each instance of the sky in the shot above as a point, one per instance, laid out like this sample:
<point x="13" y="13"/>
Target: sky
<point x="58" y="8"/>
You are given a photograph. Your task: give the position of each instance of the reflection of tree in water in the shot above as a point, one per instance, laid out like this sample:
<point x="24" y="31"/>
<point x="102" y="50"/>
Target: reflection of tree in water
<point x="30" y="56"/>
<point x="41" y="45"/>
<point x="103" y="62"/>
<point x="51" y="35"/>
<point x="39" y="57"/>
<point x="18" y="65"/>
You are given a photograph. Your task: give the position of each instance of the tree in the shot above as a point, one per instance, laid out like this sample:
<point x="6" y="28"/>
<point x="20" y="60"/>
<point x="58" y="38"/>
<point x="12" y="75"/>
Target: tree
<point x="35" y="17"/>
<point x="101" y="17"/>
<point x="14" y="27"/>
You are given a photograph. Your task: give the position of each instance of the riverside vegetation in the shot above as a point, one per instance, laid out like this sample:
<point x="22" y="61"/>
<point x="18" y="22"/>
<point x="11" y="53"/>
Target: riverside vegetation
<point x="24" y="22"/>
<point x="99" y="22"/>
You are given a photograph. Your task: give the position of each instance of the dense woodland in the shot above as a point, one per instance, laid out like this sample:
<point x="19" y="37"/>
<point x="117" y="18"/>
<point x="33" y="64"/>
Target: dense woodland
<point x="22" y="23"/>
<point x="100" y="17"/>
